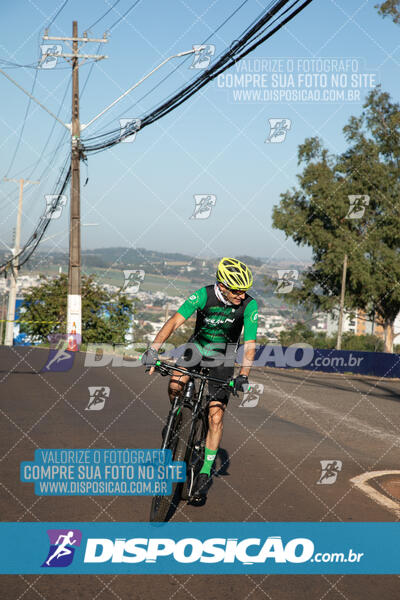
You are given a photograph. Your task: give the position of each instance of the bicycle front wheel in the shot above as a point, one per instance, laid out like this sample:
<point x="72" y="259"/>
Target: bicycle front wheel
<point x="194" y="457"/>
<point x="162" y="507"/>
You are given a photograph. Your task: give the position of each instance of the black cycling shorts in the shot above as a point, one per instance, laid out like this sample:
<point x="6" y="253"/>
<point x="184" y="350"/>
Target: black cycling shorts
<point x="192" y="359"/>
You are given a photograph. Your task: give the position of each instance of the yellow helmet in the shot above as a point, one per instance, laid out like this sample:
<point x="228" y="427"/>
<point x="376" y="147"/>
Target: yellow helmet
<point x="234" y="274"/>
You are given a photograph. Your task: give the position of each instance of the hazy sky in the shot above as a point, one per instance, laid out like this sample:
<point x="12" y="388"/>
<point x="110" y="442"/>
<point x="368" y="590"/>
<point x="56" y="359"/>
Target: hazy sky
<point x="142" y="193"/>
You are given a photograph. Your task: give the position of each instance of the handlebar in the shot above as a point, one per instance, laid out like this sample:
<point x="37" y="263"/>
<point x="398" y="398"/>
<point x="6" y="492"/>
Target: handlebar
<point x="166" y="369"/>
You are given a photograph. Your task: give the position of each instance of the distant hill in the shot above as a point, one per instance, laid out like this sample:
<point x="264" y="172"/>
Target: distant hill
<point x="130" y="256"/>
<point x="250" y="260"/>
<point x="140" y="258"/>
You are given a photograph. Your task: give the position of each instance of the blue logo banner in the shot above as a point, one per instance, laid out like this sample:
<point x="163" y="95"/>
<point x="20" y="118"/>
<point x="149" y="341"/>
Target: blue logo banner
<point x="214" y="548"/>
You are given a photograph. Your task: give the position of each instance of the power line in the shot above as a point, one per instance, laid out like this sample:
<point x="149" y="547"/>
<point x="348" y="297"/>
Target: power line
<point x="90" y="71"/>
<point x="30" y="246"/>
<point x="52" y="153"/>
<point x="124" y="15"/>
<point x="23" y="126"/>
<point x="179" y="65"/>
<point x="57" y="13"/>
<point x="104" y="15"/>
<point x="238" y="49"/>
<point x="52" y="130"/>
<point x="248" y="41"/>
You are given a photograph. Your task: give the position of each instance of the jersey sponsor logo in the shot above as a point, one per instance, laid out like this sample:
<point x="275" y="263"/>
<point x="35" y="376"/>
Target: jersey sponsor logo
<point x="193" y="299"/>
<point x="215" y="322"/>
<point x="254" y="316"/>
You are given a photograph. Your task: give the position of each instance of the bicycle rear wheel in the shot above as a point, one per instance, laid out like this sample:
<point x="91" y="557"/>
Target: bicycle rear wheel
<point x="163" y="506"/>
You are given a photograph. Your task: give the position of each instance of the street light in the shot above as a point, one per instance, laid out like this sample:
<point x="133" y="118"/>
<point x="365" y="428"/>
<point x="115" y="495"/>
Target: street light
<point x="128" y="91"/>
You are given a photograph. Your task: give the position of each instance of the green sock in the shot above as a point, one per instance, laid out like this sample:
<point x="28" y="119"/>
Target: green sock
<point x="209" y="457"/>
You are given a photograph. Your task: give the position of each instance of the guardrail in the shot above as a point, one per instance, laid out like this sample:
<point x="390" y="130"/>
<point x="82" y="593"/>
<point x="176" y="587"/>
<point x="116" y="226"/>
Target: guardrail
<point x="378" y="364"/>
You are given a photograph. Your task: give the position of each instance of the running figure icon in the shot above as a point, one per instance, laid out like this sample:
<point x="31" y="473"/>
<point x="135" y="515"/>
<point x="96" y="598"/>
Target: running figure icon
<point x="61" y="355"/>
<point x="62" y="549"/>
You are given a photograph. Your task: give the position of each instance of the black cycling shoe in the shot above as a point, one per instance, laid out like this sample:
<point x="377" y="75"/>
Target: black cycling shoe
<point x="201" y="488"/>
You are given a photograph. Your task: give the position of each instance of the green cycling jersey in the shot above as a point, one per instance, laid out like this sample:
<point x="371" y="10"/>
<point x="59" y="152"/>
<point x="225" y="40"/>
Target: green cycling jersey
<point x="219" y="323"/>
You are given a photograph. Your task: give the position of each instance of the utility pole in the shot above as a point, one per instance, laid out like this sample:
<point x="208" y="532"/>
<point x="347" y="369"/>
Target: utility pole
<point x="74" y="304"/>
<point x="3" y="297"/>
<point x="12" y="296"/>
<point x="74" y="310"/>
<point x="74" y="301"/>
<point x="342" y="292"/>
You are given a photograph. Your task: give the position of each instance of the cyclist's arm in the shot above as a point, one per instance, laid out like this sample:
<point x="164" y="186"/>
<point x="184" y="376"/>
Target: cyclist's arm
<point x="167" y="330"/>
<point x="249" y="352"/>
<point x="195" y="301"/>
<point x="250" y="336"/>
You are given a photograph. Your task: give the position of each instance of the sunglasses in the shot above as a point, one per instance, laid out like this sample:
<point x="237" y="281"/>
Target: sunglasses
<point x="237" y="292"/>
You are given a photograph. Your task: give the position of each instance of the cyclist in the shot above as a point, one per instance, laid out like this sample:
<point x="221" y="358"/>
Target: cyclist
<point x="223" y="310"/>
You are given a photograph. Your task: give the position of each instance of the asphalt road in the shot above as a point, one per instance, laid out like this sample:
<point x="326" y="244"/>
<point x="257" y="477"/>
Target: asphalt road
<point x="269" y="466"/>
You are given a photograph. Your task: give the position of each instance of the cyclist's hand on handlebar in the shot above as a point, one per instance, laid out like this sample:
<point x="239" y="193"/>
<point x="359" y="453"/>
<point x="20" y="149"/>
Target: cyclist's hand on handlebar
<point x="241" y="384"/>
<point x="149" y="359"/>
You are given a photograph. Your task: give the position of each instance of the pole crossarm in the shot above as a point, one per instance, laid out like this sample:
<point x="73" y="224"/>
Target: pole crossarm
<point x="96" y="56"/>
<point x="26" y="181"/>
<point x="136" y="85"/>
<point x="75" y="39"/>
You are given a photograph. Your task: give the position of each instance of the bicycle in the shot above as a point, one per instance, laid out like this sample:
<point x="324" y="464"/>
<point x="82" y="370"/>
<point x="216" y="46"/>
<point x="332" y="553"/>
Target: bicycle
<point x="185" y="434"/>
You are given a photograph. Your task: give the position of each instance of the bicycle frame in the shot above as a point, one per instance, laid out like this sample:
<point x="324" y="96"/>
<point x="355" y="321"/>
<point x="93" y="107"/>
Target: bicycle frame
<point x="188" y="395"/>
<point x="180" y="436"/>
<point x="184" y="399"/>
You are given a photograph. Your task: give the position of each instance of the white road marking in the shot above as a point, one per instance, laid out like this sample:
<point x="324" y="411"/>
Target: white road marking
<point x="346" y="420"/>
<point x="361" y="482"/>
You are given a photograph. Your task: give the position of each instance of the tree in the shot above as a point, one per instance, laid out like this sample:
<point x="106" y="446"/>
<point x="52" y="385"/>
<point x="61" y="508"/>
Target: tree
<point x="390" y="8"/>
<point x="349" y="204"/>
<point x="105" y="317"/>
<point x="300" y="333"/>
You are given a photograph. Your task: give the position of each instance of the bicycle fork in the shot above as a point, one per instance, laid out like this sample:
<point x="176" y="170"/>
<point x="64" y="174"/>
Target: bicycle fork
<point x="179" y="401"/>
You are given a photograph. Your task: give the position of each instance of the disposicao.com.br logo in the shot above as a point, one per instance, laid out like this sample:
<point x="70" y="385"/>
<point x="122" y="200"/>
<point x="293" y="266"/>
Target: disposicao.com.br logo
<point x="247" y="551"/>
<point x="199" y="548"/>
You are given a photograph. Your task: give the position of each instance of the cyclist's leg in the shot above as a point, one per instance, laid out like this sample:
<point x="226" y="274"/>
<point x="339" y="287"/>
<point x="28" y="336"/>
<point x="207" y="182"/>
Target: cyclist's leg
<point x="217" y="406"/>
<point x="216" y="411"/>
<point x="218" y="401"/>
<point x="190" y="359"/>
<point x="176" y="385"/>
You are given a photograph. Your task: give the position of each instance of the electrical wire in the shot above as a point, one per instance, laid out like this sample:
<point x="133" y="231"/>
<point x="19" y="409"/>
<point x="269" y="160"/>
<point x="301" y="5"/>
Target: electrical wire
<point x="45" y="145"/>
<point x="105" y="14"/>
<point x="178" y="66"/>
<point x="30" y="246"/>
<point x="23" y="126"/>
<point x="37" y="235"/>
<point x="57" y="13"/>
<point x="124" y="15"/>
<point x="254" y="35"/>
<point x="240" y="48"/>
